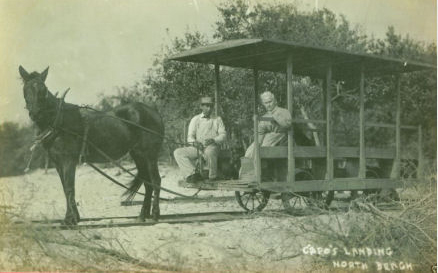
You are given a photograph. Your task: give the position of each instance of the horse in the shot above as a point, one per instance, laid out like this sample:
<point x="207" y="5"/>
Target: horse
<point x="70" y="131"/>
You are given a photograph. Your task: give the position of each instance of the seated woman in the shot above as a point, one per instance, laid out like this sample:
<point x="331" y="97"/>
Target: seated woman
<point x="272" y="133"/>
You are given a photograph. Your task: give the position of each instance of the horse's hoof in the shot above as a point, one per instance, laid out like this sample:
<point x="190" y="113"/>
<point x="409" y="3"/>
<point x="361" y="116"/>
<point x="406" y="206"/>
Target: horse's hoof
<point x="156" y="218"/>
<point x="70" y="222"/>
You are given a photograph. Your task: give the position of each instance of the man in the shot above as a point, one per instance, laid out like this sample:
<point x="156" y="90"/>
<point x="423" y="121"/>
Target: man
<point x="272" y="133"/>
<point x="205" y="133"/>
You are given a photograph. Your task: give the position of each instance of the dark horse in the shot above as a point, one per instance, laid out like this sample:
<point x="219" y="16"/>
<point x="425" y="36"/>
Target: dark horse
<point x="69" y="130"/>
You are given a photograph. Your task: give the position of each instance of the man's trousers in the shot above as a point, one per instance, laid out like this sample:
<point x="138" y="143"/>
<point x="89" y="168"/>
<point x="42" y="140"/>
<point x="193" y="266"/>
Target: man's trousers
<point x="186" y="159"/>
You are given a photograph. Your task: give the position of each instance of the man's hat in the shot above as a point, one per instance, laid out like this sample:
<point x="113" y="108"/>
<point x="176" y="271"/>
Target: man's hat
<point x="206" y="100"/>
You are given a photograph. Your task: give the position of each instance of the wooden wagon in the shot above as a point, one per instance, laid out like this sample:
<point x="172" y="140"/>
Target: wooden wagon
<point x="319" y="180"/>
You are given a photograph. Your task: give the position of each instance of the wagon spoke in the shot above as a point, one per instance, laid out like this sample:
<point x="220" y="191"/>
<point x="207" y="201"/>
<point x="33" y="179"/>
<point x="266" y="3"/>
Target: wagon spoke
<point x="295" y="201"/>
<point x="258" y="199"/>
<point x="247" y="200"/>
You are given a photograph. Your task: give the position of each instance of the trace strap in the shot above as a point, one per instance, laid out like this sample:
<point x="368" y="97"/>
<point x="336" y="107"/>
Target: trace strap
<point x="84" y="142"/>
<point x="126" y="170"/>
<point x="115" y="181"/>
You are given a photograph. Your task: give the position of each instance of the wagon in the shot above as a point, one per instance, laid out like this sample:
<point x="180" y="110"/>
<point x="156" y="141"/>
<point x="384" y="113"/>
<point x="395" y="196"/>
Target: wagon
<point x="311" y="171"/>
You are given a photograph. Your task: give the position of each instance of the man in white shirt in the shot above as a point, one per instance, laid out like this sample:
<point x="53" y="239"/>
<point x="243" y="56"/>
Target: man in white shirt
<point x="205" y="132"/>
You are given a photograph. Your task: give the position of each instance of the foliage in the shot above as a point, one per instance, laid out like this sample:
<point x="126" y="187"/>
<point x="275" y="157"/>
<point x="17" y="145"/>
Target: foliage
<point x="418" y="96"/>
<point x="135" y="93"/>
<point x="14" y="149"/>
<point x="286" y="22"/>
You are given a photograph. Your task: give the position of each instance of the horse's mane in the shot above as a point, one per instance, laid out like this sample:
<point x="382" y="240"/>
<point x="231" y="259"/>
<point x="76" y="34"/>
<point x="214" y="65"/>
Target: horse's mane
<point x="32" y="76"/>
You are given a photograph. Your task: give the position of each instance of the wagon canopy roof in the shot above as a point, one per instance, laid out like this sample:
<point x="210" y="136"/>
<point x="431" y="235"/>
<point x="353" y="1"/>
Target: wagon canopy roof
<point x="271" y="55"/>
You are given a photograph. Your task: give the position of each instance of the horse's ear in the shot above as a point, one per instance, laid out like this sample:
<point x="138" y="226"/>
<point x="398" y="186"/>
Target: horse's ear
<point x="23" y="73"/>
<point x="44" y="74"/>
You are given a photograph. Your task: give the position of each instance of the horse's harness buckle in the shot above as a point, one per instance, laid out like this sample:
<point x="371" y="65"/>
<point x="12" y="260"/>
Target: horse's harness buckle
<point x="41" y="138"/>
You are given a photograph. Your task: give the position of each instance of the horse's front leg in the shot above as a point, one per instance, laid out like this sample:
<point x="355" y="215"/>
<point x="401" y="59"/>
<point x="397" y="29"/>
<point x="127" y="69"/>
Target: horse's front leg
<point x="67" y="170"/>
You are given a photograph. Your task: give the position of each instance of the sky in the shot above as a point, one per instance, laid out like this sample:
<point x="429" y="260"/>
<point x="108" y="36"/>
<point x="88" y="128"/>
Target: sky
<point x="93" y="46"/>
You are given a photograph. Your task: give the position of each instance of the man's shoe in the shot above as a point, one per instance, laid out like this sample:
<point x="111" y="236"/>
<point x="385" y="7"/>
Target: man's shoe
<point x="196" y="177"/>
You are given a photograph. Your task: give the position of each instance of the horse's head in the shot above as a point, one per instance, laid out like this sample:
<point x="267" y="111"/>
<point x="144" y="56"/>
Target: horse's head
<point x="35" y="92"/>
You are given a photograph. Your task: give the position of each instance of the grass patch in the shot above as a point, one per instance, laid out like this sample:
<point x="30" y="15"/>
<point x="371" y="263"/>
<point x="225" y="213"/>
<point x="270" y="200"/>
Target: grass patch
<point x="370" y="238"/>
<point x="23" y="247"/>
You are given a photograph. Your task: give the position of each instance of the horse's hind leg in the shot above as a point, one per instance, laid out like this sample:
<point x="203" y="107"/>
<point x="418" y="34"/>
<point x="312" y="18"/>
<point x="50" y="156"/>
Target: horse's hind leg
<point x="156" y="181"/>
<point x="143" y="177"/>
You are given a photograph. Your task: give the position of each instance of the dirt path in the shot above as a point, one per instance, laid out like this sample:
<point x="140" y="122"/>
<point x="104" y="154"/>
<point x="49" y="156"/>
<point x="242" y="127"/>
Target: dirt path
<point x="263" y="243"/>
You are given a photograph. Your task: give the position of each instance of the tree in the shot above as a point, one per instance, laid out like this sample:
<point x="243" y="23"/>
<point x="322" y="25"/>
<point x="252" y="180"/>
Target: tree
<point x="176" y="86"/>
<point x="14" y="149"/>
<point x="286" y="22"/>
<point x="418" y="90"/>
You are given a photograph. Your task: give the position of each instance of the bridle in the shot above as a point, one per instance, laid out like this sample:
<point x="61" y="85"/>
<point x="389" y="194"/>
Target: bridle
<point x="44" y="110"/>
<point x="51" y="129"/>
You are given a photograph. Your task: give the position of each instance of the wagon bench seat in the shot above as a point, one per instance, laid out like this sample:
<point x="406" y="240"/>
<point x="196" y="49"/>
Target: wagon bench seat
<point x="320" y="152"/>
<point x="337" y="184"/>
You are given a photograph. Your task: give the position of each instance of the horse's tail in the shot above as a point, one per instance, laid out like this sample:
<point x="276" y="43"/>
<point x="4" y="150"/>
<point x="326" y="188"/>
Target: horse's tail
<point x="133" y="188"/>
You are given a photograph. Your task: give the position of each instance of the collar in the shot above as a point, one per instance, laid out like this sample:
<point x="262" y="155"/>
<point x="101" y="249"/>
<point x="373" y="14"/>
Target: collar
<point x="273" y="110"/>
<point x="211" y="116"/>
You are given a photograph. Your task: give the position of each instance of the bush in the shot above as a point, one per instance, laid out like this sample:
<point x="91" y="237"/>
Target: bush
<point x="15" y="149"/>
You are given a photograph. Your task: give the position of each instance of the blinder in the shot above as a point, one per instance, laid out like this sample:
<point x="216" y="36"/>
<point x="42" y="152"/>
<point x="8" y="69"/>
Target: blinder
<point x="36" y="100"/>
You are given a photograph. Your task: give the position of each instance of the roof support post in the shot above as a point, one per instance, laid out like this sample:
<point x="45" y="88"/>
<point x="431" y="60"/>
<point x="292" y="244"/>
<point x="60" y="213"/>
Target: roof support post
<point x="362" y="158"/>
<point x="217" y="89"/>
<point x="185" y="131"/>
<point x="323" y="86"/>
<point x="420" y="168"/>
<point x="395" y="173"/>
<point x="328" y="97"/>
<point x="290" y="145"/>
<point x="257" y="163"/>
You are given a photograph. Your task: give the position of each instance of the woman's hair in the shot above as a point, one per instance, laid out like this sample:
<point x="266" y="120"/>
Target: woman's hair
<point x="267" y="95"/>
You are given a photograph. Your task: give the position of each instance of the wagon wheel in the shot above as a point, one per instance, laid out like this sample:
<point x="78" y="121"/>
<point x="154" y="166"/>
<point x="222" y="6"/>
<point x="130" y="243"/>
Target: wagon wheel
<point x="322" y="199"/>
<point x="379" y="194"/>
<point x="252" y="201"/>
<point x="293" y="201"/>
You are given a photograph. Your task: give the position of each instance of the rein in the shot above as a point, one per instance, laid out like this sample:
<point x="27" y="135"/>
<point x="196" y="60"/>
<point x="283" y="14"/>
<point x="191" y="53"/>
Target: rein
<point x="137" y="125"/>
<point x="85" y="141"/>
<point x="47" y="133"/>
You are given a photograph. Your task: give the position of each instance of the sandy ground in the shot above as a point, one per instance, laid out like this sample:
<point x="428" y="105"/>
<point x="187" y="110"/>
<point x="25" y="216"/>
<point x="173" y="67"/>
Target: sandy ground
<point x="266" y="242"/>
